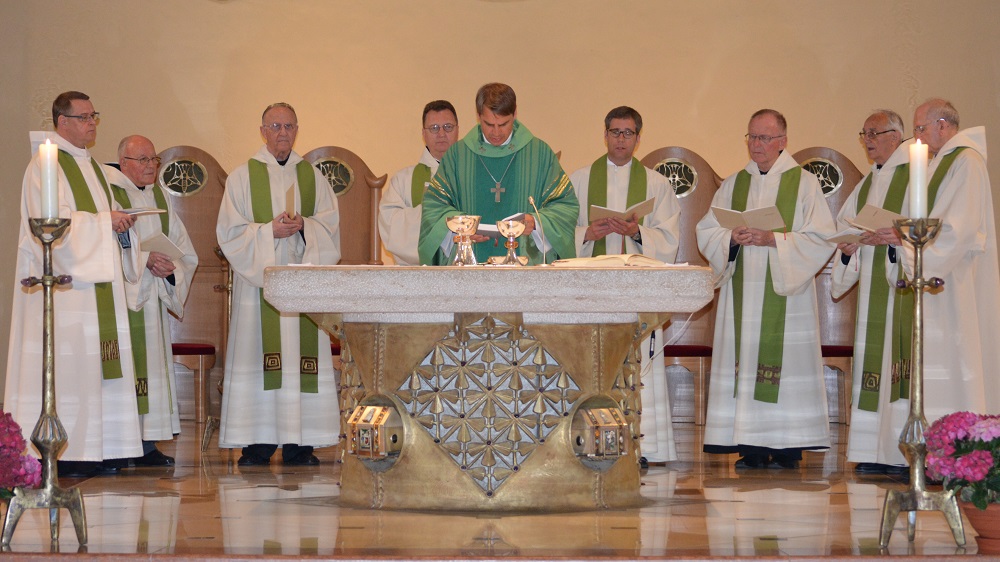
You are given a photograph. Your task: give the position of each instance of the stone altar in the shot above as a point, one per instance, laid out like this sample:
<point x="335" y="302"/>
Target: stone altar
<point x="487" y="372"/>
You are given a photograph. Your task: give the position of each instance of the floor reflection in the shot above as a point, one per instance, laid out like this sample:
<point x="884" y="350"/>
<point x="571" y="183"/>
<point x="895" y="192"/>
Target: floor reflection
<point x="698" y="507"/>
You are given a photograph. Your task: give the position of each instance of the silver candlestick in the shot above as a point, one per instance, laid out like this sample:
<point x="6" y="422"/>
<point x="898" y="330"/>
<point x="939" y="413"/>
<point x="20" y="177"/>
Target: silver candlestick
<point x="919" y="232"/>
<point x="49" y="435"/>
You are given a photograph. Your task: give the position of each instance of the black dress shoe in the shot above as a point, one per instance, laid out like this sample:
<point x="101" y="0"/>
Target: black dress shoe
<point x="643" y="463"/>
<point x="307" y="459"/>
<point x="77" y="469"/>
<point x="869" y="468"/>
<point x="784" y="461"/>
<point x="153" y="458"/>
<point x="752" y="461"/>
<point x="253" y="460"/>
<point x="111" y="467"/>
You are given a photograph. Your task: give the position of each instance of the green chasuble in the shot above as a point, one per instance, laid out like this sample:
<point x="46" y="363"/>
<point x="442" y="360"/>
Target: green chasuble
<point x="464" y="186"/>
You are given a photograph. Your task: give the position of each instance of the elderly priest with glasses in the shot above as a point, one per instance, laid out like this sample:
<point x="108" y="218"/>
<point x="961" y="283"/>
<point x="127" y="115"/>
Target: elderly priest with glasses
<point x="767" y="396"/>
<point x="279" y="388"/>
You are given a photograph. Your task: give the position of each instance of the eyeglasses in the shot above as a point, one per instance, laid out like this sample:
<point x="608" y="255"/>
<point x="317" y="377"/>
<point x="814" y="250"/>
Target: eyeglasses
<point x="629" y="133"/>
<point x="278" y="126"/>
<point x="921" y="128"/>
<point x="762" y="138"/>
<point x="86" y="117"/>
<point x="145" y="160"/>
<point x="435" y="129"/>
<point x="872" y="135"/>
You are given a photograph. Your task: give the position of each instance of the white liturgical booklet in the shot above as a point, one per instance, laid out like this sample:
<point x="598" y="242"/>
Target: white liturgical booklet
<point x="640" y="209"/>
<point x="766" y="218"/>
<point x="143" y="211"/>
<point x="160" y="243"/>
<point x="847" y="236"/>
<point x="492" y="231"/>
<point x="872" y="218"/>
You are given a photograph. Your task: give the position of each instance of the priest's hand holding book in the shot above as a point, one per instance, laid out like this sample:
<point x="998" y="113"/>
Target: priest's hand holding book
<point x="160" y="265"/>
<point x="284" y="225"/>
<point x="121" y="221"/>
<point x="600" y="228"/>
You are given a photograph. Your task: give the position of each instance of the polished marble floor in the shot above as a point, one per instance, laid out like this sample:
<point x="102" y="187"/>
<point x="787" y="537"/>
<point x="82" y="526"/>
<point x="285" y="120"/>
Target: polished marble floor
<point x="699" y="507"/>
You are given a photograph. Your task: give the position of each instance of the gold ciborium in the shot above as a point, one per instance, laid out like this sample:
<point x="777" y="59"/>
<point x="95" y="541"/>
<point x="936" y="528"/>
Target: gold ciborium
<point x="912" y="443"/>
<point x="49" y="435"/>
<point x="464" y="226"/>
<point x="511" y="228"/>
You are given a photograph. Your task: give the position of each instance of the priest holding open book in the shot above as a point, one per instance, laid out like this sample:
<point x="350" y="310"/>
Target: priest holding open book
<point x="767" y="399"/>
<point x="629" y="209"/>
<point x="169" y="261"/>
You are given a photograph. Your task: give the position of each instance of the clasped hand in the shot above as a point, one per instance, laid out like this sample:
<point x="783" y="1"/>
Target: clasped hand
<point x="284" y="226"/>
<point x="746" y="236"/>
<point x="879" y="237"/>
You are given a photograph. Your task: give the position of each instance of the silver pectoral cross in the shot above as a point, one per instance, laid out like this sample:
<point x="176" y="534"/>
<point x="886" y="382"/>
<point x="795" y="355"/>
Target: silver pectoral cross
<point x="498" y="190"/>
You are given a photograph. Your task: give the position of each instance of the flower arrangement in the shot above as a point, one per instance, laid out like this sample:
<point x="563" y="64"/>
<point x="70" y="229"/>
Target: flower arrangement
<point x="963" y="451"/>
<point x="17" y="468"/>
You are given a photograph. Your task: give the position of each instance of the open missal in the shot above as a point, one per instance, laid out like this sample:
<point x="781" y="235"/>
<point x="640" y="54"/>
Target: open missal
<point x="611" y="260"/>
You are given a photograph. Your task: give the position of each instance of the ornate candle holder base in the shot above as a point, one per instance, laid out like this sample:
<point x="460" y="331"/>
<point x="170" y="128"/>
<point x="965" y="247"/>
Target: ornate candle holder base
<point x="49" y="435"/>
<point x="919" y="232"/>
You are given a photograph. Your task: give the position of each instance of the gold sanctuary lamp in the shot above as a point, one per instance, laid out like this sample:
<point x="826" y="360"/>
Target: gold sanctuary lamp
<point x="49" y="435"/>
<point x="918" y="232"/>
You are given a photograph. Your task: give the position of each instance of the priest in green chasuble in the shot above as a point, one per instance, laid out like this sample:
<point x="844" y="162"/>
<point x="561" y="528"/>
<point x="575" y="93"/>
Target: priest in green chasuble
<point x="491" y="173"/>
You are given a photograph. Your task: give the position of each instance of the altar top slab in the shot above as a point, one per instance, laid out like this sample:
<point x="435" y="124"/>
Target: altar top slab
<point x="400" y="289"/>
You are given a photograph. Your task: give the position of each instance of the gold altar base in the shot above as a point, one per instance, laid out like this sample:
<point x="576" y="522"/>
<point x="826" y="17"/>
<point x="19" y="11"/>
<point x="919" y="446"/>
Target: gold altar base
<point x="487" y="406"/>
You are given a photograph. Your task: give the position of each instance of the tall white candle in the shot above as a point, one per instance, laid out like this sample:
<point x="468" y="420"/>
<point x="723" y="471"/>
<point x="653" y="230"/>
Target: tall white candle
<point x="918" y="180"/>
<point x="47" y="157"/>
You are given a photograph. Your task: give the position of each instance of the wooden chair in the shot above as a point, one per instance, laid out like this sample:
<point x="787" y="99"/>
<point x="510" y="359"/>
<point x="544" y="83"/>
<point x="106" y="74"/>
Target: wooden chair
<point x="694" y="183"/>
<point x="838" y="176"/>
<point x="197" y="181"/>
<point x="358" y="201"/>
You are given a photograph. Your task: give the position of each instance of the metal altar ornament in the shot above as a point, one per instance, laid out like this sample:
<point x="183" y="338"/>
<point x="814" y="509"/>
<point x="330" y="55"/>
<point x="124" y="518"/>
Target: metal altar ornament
<point x="375" y="433"/>
<point x="599" y="435"/>
<point x="912" y="443"/>
<point x="49" y="435"/>
<point x="464" y="226"/>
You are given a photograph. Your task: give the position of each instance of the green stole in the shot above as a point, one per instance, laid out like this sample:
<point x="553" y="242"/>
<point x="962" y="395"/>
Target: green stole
<point x="421" y="177"/>
<point x="902" y="333"/>
<point x="878" y="298"/>
<point x="597" y="192"/>
<point x="107" y="324"/>
<point x="137" y="318"/>
<point x="772" y="323"/>
<point x="270" y="318"/>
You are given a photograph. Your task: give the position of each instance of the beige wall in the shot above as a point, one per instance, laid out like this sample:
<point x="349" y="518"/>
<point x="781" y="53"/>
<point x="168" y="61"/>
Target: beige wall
<point x="199" y="72"/>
